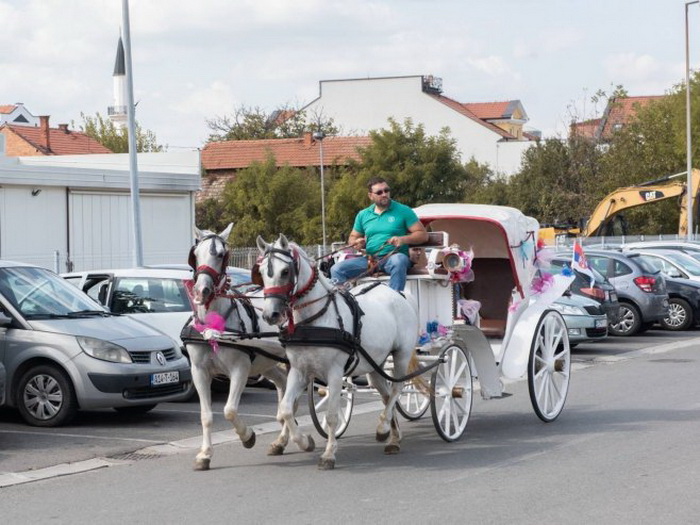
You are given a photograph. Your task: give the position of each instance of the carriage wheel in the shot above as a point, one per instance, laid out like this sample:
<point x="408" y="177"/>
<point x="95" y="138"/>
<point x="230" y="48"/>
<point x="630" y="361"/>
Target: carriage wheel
<point x="549" y="369"/>
<point x="452" y="400"/>
<point x="413" y="402"/>
<point x="318" y="401"/>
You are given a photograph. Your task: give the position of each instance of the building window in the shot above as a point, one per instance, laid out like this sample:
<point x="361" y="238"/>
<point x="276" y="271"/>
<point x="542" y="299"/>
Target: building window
<point x="21" y="119"/>
<point x="2" y="144"/>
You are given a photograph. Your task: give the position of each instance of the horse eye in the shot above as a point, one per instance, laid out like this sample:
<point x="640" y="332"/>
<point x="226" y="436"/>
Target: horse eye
<point x="285" y="272"/>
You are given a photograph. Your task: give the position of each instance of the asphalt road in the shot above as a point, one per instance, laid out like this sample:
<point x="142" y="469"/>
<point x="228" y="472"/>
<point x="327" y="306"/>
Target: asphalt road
<point x="623" y="451"/>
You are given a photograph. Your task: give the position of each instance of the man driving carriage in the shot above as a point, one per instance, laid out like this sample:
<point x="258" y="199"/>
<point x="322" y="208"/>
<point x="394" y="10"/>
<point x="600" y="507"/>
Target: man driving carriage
<point x="385" y="230"/>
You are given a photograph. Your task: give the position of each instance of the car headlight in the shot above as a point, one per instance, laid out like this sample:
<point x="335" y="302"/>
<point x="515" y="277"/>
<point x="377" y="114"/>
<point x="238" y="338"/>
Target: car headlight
<point x="104" y="350"/>
<point x="568" y="310"/>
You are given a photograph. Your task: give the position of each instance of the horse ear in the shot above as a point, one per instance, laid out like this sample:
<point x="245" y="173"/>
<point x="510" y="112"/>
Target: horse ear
<point x="262" y="245"/>
<point x="283" y="242"/>
<point x="225" y="234"/>
<point x="198" y="233"/>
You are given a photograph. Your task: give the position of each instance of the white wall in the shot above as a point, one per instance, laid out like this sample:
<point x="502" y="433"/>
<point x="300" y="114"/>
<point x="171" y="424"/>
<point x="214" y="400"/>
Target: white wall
<point x="83" y="209"/>
<point x="32" y="227"/>
<point x="358" y="106"/>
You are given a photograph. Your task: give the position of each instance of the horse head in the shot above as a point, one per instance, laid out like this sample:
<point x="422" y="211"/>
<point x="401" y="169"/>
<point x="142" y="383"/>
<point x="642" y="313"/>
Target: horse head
<point x="209" y="259"/>
<point x="283" y="266"/>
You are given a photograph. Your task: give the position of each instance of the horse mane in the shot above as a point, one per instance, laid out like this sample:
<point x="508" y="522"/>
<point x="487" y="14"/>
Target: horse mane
<point x="302" y="253"/>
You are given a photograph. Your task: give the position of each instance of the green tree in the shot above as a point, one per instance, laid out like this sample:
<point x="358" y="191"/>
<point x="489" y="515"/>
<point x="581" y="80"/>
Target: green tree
<point x="649" y="148"/>
<point x="248" y="123"/>
<point x="267" y="200"/>
<point x="556" y="180"/>
<point x="116" y="138"/>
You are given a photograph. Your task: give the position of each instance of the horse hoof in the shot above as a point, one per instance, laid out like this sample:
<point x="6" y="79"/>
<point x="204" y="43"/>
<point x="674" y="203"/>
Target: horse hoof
<point x="311" y="446"/>
<point x="326" y="464"/>
<point x="382" y="437"/>
<point x="202" y="464"/>
<point x="392" y="449"/>
<point x="250" y="442"/>
<point x="275" y="450"/>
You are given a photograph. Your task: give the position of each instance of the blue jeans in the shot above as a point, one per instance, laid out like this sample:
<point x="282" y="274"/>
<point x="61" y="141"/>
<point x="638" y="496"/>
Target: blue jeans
<point x="396" y="266"/>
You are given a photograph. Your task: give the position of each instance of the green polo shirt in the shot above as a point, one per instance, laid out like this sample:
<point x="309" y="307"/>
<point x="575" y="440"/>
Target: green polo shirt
<point x="378" y="228"/>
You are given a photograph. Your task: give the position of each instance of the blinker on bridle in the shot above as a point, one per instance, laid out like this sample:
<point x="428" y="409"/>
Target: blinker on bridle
<point x="215" y="275"/>
<point x="282" y="292"/>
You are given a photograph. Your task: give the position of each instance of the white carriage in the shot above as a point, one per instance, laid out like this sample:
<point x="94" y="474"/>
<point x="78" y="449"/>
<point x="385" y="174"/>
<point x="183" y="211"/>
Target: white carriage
<point x="515" y="333"/>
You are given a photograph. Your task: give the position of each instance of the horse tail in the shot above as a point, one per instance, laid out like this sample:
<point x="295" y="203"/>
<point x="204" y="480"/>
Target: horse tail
<point x="419" y="381"/>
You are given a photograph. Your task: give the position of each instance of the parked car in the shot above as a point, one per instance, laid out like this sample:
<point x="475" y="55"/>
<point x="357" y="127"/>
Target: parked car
<point x="585" y="319"/>
<point x="672" y="263"/>
<point x="683" y="246"/>
<point x="63" y="351"/>
<point x="600" y="290"/>
<point x="3" y="383"/>
<point x="156" y="296"/>
<point x="641" y="289"/>
<point x="684" y="304"/>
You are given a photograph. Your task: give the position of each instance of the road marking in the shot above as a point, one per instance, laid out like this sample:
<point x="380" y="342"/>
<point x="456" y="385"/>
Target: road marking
<point x="87" y="436"/>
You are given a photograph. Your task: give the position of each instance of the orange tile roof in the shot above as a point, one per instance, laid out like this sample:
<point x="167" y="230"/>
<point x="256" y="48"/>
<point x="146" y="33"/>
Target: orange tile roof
<point x="62" y="141"/>
<point x="6" y="109"/>
<point x="587" y="128"/>
<point x="461" y="108"/>
<point x="489" y="110"/>
<point x="297" y="152"/>
<point x="623" y="111"/>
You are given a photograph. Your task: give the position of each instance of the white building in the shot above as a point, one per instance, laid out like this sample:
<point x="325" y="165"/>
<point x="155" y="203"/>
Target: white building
<point x="18" y="115"/>
<point x="74" y="211"/>
<point x="361" y="105"/>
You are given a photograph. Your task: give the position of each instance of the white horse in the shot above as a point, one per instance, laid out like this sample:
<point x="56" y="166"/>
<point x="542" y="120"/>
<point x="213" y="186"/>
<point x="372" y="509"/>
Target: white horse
<point x="295" y="291"/>
<point x="236" y="355"/>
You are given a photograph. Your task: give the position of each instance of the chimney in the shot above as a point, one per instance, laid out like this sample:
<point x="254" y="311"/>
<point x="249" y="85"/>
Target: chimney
<point x="308" y="139"/>
<point x="64" y="128"/>
<point x="44" y="127"/>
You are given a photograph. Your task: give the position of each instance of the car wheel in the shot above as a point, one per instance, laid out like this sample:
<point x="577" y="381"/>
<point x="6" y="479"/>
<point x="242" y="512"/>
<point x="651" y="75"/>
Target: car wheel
<point x="680" y="315"/>
<point x="136" y="409"/>
<point x="45" y="397"/>
<point x="629" y="323"/>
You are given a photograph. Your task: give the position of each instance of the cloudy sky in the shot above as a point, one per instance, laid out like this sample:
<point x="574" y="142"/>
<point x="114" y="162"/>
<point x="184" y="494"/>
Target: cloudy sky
<point x="195" y="60"/>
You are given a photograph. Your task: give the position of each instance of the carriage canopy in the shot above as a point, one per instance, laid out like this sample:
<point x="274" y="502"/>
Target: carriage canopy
<point x="493" y="232"/>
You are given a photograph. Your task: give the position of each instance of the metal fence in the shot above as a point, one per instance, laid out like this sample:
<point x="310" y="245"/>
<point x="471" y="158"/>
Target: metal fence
<point x="246" y="257"/>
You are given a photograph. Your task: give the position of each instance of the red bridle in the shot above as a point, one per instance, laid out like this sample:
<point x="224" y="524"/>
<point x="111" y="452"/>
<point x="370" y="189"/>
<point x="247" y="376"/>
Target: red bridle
<point x="284" y="292"/>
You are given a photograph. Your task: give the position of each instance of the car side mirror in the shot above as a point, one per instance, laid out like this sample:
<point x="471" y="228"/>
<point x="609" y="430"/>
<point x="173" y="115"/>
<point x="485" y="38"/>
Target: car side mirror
<point x="5" y="321"/>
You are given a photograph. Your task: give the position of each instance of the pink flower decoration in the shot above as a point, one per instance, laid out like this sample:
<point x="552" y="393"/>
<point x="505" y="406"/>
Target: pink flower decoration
<point x="541" y="284"/>
<point x="212" y="321"/>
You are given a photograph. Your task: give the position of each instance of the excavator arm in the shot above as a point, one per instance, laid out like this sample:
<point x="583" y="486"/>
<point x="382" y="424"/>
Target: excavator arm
<point x="632" y="196"/>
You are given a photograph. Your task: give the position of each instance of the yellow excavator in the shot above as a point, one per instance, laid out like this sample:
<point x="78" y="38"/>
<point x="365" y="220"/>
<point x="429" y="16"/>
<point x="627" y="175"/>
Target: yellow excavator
<point x="605" y="219"/>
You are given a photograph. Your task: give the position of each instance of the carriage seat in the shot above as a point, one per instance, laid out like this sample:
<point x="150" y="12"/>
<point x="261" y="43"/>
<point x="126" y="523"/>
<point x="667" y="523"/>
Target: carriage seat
<point x="436" y="240"/>
<point x="492" y="286"/>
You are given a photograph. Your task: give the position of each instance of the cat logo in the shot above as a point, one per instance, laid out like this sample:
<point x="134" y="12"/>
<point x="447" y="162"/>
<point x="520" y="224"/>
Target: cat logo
<point x="651" y="195"/>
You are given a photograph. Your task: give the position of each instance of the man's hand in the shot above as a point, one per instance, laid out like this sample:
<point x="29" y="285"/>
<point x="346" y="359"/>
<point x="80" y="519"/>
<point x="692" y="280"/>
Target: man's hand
<point x="358" y="243"/>
<point x="396" y="241"/>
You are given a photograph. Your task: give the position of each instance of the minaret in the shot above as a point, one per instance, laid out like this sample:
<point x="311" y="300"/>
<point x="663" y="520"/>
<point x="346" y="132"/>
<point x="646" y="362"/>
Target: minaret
<point x="117" y="112"/>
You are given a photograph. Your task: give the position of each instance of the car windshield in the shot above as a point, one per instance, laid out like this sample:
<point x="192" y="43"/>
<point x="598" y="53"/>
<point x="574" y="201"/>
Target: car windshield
<point x="149" y="295"/>
<point x="39" y="293"/>
<point x="686" y="262"/>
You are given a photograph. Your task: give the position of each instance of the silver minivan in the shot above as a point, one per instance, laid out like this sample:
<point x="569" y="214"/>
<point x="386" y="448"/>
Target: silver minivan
<point x="62" y="352"/>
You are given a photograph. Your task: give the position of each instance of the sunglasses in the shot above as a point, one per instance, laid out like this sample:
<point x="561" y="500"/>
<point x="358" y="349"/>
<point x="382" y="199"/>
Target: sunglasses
<point x="382" y="192"/>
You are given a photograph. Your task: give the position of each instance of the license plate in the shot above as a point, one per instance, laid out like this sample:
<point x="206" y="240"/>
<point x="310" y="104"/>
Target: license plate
<point x="601" y="323"/>
<point x="165" y="378"/>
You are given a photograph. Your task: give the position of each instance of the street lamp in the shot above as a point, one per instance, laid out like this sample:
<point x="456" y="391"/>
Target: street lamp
<point x="319" y="136"/>
<point x="688" y="137"/>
